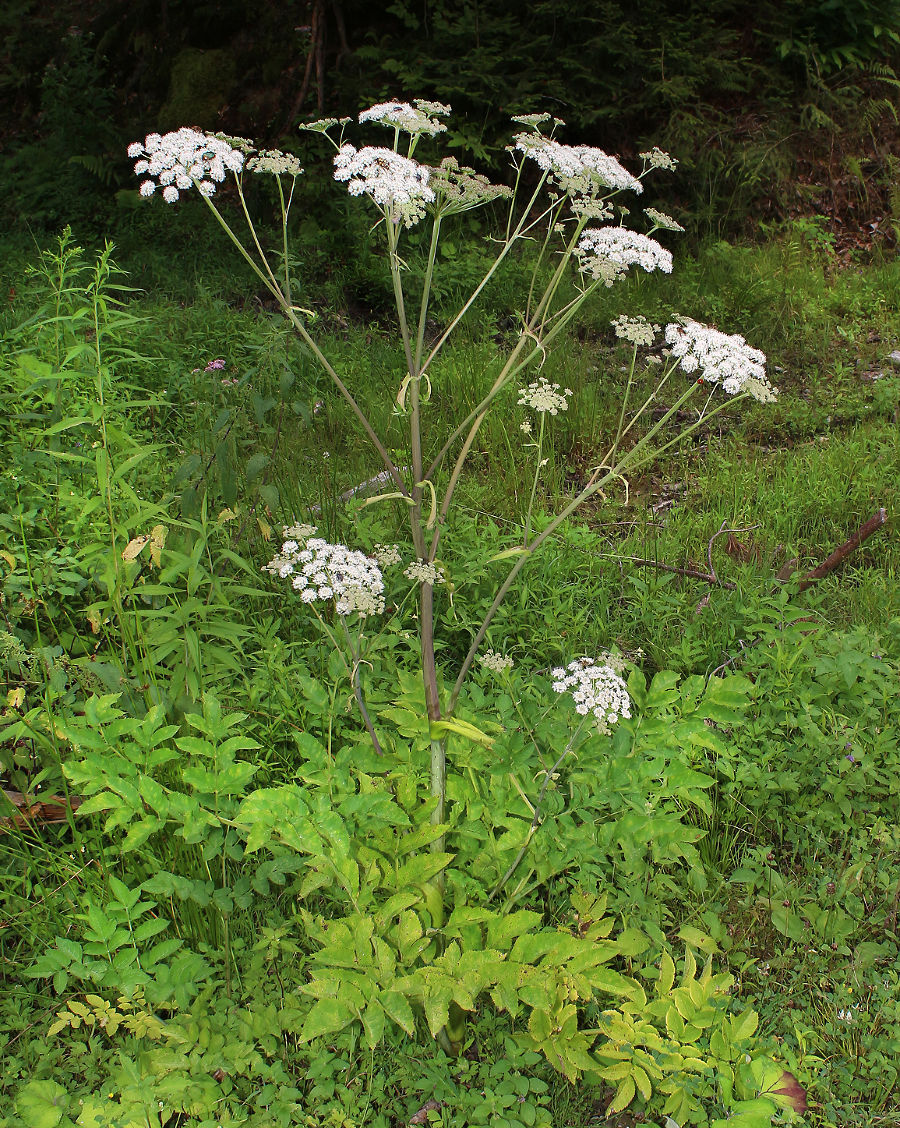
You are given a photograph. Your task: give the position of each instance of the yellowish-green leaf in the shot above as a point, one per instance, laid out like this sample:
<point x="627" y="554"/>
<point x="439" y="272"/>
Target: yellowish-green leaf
<point x="666" y="980"/>
<point x="623" y="1098"/>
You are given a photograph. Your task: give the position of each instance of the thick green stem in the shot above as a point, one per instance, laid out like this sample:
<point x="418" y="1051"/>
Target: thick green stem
<point x="534" y="484"/>
<point x="426" y="290"/>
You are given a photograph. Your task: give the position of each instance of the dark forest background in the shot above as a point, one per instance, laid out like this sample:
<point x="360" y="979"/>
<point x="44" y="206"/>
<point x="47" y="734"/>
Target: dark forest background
<point x="775" y="109"/>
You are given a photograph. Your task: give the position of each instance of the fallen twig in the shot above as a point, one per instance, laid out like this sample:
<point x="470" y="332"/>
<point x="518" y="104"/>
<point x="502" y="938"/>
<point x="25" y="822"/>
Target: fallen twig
<point x="47" y="809"/>
<point x="871" y="526"/>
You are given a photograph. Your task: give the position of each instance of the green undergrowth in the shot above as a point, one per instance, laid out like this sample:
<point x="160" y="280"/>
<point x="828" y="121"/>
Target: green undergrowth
<point x="694" y="916"/>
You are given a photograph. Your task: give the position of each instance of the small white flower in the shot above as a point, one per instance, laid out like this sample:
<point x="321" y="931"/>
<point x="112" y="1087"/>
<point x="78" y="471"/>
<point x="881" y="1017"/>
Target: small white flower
<point x="299" y="532"/>
<point x="182" y="158"/>
<point x="392" y="181"/>
<point x="542" y="396"/>
<point x="606" y="253"/>
<point x="275" y="162"/>
<point x="595" y="688"/>
<point x="322" y="572"/>
<point x="386" y="555"/>
<point x="497" y="663"/>
<point x="657" y="158"/>
<point x="660" y="219"/>
<point x="635" y="330"/>
<point x="525" y="427"/>
<point x="721" y="358"/>
<point x="533" y="120"/>
<point x="423" y="572"/>
<point x="573" y="167"/>
<point x="409" y="119"/>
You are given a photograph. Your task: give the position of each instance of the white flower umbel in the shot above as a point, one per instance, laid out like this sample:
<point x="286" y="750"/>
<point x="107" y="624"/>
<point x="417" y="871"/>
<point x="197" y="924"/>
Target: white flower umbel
<point x="392" y="181"/>
<point x="720" y="358"/>
<point x="386" y="555"/>
<point x="423" y="572"/>
<point x="496" y="663"/>
<point x="635" y="330"/>
<point x="183" y="159"/>
<point x="574" y="167"/>
<point x="607" y="252"/>
<point x="542" y="396"/>
<point x="409" y="119"/>
<point x="323" y="573"/>
<point x="275" y="162"/>
<point x="596" y="687"/>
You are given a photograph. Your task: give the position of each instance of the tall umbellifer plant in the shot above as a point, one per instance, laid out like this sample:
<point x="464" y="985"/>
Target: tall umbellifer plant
<point x="568" y="209"/>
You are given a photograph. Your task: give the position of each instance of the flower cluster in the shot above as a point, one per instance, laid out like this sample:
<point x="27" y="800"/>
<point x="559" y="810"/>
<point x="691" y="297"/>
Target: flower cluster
<point x="459" y="188"/>
<point x="276" y="163"/>
<point x="577" y="168"/>
<point x="636" y="330"/>
<point x="656" y="158"/>
<point x="496" y="663"/>
<point x="532" y="120"/>
<point x="323" y="572"/>
<point x="661" y="220"/>
<point x="177" y="161"/>
<point x="424" y="572"/>
<point x="595" y="688"/>
<point x="720" y="358"/>
<point x="607" y="252"/>
<point x="386" y="555"/>
<point x="393" y="181"/>
<point x="543" y="396"/>
<point x="410" y="119"/>
<point x="322" y="125"/>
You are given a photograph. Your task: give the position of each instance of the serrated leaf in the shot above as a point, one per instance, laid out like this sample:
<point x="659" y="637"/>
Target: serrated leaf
<point x="397" y="1008"/>
<point x="42" y="1104"/>
<point x="373" y="1023"/>
<point x="623" y="1097"/>
<point x="438" y="996"/>
<point x="326" y="1017"/>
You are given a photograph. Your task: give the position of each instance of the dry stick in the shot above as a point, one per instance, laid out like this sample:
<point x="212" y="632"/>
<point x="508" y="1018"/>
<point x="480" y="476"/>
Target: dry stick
<point x="871" y="526"/>
<point x="691" y="573"/>
<point x="694" y="573"/>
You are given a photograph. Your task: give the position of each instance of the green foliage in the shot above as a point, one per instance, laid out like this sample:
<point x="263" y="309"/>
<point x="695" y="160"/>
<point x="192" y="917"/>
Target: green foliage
<point x="242" y="923"/>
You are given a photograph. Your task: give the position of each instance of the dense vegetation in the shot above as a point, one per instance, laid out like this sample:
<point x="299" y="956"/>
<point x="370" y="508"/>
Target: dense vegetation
<point x="268" y="862"/>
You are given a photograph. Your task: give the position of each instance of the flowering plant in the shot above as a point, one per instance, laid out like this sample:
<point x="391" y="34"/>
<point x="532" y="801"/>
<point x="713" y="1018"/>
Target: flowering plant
<point x="565" y="200"/>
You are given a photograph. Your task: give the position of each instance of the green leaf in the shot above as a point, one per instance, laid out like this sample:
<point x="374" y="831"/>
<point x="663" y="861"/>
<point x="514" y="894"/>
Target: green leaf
<point x="42" y="1104"/>
<point x="744" y="1025"/>
<point x="437" y="729"/>
<point x="623" y="1098"/>
<point x="666" y="980"/>
<point x="663" y="694"/>
<point x="698" y="939"/>
<point x="438" y="996"/>
<point x="504" y="929"/>
<point x="373" y="1023"/>
<point x="397" y="1008"/>
<point x="326" y="1017"/>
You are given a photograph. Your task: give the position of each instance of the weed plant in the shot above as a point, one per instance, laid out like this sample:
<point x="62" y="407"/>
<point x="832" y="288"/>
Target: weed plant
<point x="249" y="932"/>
